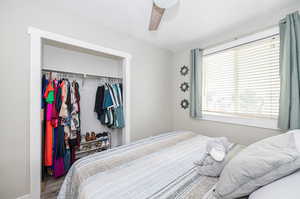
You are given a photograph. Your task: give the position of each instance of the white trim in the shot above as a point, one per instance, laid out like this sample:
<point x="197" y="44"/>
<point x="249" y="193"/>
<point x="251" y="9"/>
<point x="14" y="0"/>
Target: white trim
<point x="24" y="197"/>
<point x="243" y="40"/>
<point x="247" y="121"/>
<point x="35" y="125"/>
<point x="36" y="37"/>
<point x="126" y="100"/>
<point x="77" y="43"/>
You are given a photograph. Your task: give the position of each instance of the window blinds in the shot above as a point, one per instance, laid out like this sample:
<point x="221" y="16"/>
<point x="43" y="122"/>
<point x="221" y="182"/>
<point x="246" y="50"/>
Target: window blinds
<point x="243" y="80"/>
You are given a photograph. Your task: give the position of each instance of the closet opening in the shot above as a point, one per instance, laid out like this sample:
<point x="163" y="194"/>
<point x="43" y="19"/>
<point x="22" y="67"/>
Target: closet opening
<point x="80" y="95"/>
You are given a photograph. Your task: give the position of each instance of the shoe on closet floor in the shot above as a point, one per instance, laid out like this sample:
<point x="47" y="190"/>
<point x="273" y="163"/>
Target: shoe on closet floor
<point x="87" y="137"/>
<point x="93" y="136"/>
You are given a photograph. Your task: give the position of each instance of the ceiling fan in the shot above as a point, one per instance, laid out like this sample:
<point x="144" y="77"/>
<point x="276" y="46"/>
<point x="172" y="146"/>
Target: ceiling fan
<point x="158" y="9"/>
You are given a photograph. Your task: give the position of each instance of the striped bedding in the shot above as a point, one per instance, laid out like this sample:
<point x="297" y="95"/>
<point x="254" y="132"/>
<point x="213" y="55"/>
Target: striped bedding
<point x="156" y="167"/>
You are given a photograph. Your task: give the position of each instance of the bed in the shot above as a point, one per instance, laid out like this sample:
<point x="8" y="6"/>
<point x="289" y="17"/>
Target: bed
<point x="156" y="167"/>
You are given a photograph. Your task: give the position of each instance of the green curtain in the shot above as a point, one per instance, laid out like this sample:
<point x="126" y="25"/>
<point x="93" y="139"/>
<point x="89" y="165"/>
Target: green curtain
<point x="289" y="105"/>
<point x="196" y="83"/>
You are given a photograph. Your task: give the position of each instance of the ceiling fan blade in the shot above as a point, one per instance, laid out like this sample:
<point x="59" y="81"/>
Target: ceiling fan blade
<point x="156" y="16"/>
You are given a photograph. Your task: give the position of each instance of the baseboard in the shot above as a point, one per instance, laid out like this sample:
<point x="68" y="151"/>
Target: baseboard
<point x="24" y="197"/>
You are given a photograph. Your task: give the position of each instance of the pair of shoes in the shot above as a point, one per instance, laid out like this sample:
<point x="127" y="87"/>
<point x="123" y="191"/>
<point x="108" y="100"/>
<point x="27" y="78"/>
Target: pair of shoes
<point x="105" y="144"/>
<point x="87" y="137"/>
<point x="90" y="137"/>
<point x="102" y="136"/>
<point x="93" y="136"/>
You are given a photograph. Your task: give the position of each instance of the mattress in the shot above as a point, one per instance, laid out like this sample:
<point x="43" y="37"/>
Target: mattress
<point x="156" y="167"/>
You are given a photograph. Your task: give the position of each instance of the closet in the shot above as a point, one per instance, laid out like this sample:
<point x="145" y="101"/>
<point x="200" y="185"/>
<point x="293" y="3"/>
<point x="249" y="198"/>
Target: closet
<point x="88" y="75"/>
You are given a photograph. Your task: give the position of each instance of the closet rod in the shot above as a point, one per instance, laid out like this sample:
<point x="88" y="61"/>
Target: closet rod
<point x="76" y="73"/>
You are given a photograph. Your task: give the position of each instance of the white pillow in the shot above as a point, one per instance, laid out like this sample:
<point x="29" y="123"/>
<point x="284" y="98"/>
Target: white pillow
<point x="257" y="165"/>
<point x="296" y="133"/>
<point x="217" y="148"/>
<point x="284" y="188"/>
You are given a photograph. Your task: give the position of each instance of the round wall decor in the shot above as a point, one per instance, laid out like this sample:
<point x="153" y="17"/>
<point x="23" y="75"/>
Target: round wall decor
<point x="184" y="70"/>
<point x="184" y="87"/>
<point x="184" y="104"/>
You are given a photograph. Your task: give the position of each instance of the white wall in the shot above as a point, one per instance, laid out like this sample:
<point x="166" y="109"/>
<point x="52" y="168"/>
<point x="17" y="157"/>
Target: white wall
<point x="150" y="81"/>
<point x="182" y="121"/>
<point x="63" y="58"/>
<point x="153" y="94"/>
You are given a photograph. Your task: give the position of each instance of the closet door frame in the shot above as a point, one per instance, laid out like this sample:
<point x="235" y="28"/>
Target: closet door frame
<point x="36" y="41"/>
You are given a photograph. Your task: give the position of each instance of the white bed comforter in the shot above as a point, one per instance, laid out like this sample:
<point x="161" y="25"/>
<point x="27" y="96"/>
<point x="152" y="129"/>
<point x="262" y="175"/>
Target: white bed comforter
<point x="157" y="167"/>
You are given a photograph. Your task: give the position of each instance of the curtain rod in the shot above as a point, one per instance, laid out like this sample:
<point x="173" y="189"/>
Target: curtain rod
<point x="283" y="20"/>
<point x="273" y="35"/>
<point x="77" y="73"/>
<point x="240" y="37"/>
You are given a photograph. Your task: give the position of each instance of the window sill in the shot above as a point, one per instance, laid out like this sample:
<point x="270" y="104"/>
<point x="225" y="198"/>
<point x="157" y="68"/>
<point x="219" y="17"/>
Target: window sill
<point x="255" y="122"/>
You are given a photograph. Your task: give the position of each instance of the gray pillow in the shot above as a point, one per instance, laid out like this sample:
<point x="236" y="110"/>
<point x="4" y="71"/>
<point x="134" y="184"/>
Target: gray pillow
<point x="257" y="165"/>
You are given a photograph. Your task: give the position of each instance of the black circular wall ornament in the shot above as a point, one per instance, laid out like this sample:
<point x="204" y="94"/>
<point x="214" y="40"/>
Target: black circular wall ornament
<point x="184" y="70"/>
<point x="184" y="104"/>
<point x="184" y="86"/>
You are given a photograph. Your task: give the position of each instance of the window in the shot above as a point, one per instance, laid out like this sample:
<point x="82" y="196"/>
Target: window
<point x="243" y="81"/>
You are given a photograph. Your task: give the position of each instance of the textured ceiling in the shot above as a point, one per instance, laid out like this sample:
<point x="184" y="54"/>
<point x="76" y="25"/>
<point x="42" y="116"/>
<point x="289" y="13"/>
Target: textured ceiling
<point x="191" y="23"/>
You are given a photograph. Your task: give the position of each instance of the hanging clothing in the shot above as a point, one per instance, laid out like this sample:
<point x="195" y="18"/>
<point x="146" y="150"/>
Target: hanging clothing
<point x="120" y="122"/>
<point x="64" y="92"/>
<point x="62" y="123"/>
<point x="58" y="99"/>
<point x="75" y="123"/>
<point x="60" y="144"/>
<point x="58" y="166"/>
<point x="112" y="95"/>
<point x="108" y="100"/>
<point x="109" y="105"/>
<point x="68" y="99"/>
<point x="67" y="161"/>
<point x="73" y="143"/>
<point x="44" y="86"/>
<point x="119" y="116"/>
<point x="48" y="144"/>
<point x="118" y="93"/>
<point x="49" y="93"/>
<point x="77" y="95"/>
<point x="49" y="98"/>
<point x="59" y="169"/>
<point x="43" y="124"/>
<point x="99" y="101"/>
<point x="54" y="117"/>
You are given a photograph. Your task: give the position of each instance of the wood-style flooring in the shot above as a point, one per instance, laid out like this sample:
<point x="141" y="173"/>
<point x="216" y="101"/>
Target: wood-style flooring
<point x="50" y="187"/>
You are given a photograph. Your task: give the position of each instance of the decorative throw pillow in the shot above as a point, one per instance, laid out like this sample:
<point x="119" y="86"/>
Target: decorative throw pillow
<point x="208" y="166"/>
<point x="257" y="165"/>
<point x="217" y="148"/>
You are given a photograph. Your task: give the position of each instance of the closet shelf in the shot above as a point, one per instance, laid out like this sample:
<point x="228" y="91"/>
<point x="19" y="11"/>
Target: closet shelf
<point x="84" y="75"/>
<point x="93" y="141"/>
<point x="94" y="149"/>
